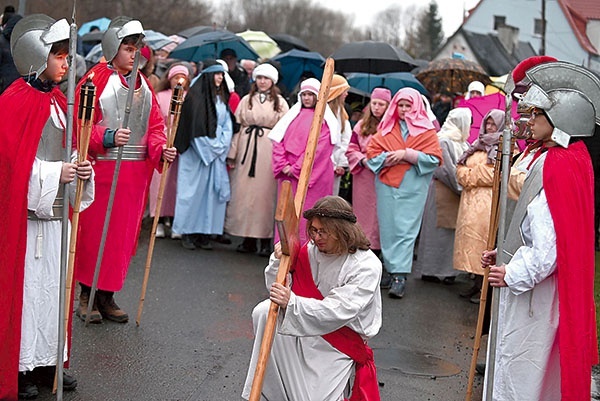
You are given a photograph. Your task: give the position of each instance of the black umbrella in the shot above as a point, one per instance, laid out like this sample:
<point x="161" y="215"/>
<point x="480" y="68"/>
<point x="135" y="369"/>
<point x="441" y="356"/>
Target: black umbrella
<point x="195" y="30"/>
<point x="372" y="57"/>
<point x="288" y="42"/>
<point x="93" y="37"/>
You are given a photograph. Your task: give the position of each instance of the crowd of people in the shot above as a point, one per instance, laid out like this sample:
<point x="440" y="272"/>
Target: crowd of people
<point x="420" y="191"/>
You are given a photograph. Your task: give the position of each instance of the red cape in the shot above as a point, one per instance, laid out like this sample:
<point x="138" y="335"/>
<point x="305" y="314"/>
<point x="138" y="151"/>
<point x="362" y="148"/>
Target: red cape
<point x="345" y="339"/>
<point x="23" y="111"/>
<point x="569" y="186"/>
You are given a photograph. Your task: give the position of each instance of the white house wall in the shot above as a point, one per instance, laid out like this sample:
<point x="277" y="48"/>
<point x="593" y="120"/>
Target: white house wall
<point x="561" y="42"/>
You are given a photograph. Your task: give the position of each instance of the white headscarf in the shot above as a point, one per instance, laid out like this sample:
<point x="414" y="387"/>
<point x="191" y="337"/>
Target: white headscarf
<point x="457" y="128"/>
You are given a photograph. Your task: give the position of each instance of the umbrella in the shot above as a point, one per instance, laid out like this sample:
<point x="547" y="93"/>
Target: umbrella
<point x="156" y="40"/>
<point x="101" y="23"/>
<point x="195" y="30"/>
<point x="452" y="75"/>
<point x="95" y="54"/>
<point x="210" y="44"/>
<point x="392" y="80"/>
<point x="288" y="42"/>
<point x="295" y="62"/>
<point x="372" y="57"/>
<point x="93" y="37"/>
<point x="479" y="107"/>
<point x="261" y="43"/>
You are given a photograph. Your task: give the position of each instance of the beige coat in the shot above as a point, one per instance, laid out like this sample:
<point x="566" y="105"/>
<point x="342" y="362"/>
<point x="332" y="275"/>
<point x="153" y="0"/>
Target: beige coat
<point x="251" y="210"/>
<point x="473" y="221"/>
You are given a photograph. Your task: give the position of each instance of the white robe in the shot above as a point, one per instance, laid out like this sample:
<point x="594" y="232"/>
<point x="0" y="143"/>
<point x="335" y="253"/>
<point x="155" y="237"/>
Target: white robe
<point x="302" y="365"/>
<point x="41" y="286"/>
<point x="527" y="358"/>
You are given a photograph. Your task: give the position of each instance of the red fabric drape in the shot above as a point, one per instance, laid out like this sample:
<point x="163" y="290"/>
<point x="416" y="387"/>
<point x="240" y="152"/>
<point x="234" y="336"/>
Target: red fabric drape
<point x="344" y="339"/>
<point x="23" y="111"/>
<point x="569" y="185"/>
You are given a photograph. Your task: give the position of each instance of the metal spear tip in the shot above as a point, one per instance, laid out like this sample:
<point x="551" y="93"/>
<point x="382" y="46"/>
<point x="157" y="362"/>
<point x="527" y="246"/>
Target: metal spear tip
<point x="90" y="78"/>
<point x="181" y="81"/>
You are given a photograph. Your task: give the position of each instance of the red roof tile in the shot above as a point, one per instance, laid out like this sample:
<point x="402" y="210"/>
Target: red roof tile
<point x="578" y="12"/>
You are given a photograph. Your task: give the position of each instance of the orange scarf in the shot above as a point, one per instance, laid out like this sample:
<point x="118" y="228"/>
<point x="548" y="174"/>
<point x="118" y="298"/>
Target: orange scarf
<point x="426" y="142"/>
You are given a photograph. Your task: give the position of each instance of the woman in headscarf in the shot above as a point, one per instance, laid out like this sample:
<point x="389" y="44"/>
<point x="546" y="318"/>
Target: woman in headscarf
<point x="290" y="137"/>
<point x="364" y="199"/>
<point x="251" y="210"/>
<point x="337" y="95"/>
<point x="203" y="140"/>
<point x="436" y="241"/>
<point x="164" y="92"/>
<point x="475" y="173"/>
<point x="403" y="154"/>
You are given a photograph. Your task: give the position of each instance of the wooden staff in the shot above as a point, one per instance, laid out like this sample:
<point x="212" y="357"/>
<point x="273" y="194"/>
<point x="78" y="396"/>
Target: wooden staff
<point x="113" y="188"/>
<point x="287" y="217"/>
<point x="499" y="193"/>
<point x="172" y="123"/>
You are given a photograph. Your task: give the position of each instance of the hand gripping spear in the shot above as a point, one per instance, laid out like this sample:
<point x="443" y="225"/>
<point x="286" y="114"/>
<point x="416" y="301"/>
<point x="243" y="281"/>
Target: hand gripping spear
<point x="172" y="123"/>
<point x="63" y="315"/>
<point x="496" y="230"/>
<point x="286" y="217"/>
<point x="113" y="187"/>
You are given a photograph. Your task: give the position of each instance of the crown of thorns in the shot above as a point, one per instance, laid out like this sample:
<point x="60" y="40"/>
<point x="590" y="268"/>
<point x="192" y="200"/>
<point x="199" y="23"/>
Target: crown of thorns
<point x="330" y="213"/>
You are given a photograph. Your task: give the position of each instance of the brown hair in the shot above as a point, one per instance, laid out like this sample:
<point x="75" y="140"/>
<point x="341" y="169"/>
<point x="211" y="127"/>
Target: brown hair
<point x="165" y="82"/>
<point x="273" y="93"/>
<point x="337" y="106"/>
<point x="369" y="122"/>
<point x="61" y="47"/>
<point x="339" y="221"/>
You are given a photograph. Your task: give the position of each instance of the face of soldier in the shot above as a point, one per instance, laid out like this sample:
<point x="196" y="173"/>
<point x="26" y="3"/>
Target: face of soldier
<point x="57" y="67"/>
<point x="540" y="127"/>
<point x="123" y="61"/>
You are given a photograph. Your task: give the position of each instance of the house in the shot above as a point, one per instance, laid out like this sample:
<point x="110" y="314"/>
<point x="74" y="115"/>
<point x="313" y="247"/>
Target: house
<point x="572" y="33"/>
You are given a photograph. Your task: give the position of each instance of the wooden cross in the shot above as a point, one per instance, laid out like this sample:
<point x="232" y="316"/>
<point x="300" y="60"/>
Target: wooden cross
<point x="287" y="216"/>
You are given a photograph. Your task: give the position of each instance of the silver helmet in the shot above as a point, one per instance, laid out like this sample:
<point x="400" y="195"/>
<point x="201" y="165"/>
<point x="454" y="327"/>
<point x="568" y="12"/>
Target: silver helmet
<point x="568" y="94"/>
<point x="119" y="28"/>
<point x="31" y="41"/>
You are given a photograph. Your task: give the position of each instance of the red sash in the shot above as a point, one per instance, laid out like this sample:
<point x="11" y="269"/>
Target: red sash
<point x="345" y="339"/>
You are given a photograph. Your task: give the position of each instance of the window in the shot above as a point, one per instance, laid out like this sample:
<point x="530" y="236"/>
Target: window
<point x="538" y="26"/>
<point x="499" y="21"/>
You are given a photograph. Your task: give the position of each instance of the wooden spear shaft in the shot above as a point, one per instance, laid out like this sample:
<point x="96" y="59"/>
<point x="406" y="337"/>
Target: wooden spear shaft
<point x="113" y="188"/>
<point x="490" y="244"/>
<point x="172" y="123"/>
<point x="62" y="333"/>
<point x="287" y="259"/>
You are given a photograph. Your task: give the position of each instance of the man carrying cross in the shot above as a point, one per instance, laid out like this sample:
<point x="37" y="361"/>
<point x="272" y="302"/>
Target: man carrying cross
<point x="329" y="311"/>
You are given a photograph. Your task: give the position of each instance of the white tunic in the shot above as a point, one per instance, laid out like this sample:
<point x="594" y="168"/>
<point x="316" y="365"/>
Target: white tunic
<point x="41" y="286"/>
<point x="302" y="365"/>
<point x="527" y="359"/>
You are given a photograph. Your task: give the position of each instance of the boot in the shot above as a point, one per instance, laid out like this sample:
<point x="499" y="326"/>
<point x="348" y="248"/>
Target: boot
<point x="187" y="241"/>
<point x="27" y="388"/>
<point x="248" y="246"/>
<point x="265" y="247"/>
<point x="203" y="242"/>
<point x="109" y="308"/>
<point x="44" y="376"/>
<point x="84" y="298"/>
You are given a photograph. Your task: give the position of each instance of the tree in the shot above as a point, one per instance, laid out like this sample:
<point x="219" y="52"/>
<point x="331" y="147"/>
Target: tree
<point x="429" y="32"/>
<point x="166" y="16"/>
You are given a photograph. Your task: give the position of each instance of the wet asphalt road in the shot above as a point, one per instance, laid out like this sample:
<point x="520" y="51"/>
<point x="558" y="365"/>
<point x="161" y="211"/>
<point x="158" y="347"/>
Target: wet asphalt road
<point x="195" y="337"/>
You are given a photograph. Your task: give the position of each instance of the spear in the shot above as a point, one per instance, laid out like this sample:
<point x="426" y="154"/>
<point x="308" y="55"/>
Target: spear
<point x="113" y="187"/>
<point x="62" y="329"/>
<point x="172" y="123"/>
